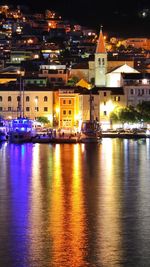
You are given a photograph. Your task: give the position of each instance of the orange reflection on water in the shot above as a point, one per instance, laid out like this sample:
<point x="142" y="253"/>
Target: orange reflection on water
<point x="110" y="245"/>
<point x="67" y="217"/>
<point x="57" y="212"/>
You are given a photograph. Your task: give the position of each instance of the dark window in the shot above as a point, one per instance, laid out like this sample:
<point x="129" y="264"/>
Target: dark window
<point x="59" y="79"/>
<point x="9" y="98"/>
<point x="9" y="108"/>
<point x="53" y="79"/>
<point x="27" y="98"/>
<point x="104" y="103"/>
<point x="131" y="91"/>
<point x="64" y="101"/>
<point x="45" y="98"/>
<point x="1" y="108"/>
<point x="1" y="99"/>
<point x="18" y="98"/>
<point x="105" y="94"/>
<point x="27" y="109"/>
<point x="45" y="108"/>
<point x="36" y="108"/>
<point x="103" y="61"/>
<point x="105" y="113"/>
<point x="69" y="112"/>
<point x="142" y="91"/>
<point x="69" y="101"/>
<point x="118" y="98"/>
<point x="64" y="112"/>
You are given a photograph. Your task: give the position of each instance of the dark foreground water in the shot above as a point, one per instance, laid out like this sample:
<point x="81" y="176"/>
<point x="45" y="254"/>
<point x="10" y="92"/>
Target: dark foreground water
<point x="75" y="205"/>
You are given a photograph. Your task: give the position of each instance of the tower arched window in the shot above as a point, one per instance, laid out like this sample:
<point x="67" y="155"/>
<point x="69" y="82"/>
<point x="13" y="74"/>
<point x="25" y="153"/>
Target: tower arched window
<point x="9" y="98"/>
<point x="99" y="61"/>
<point x="1" y="99"/>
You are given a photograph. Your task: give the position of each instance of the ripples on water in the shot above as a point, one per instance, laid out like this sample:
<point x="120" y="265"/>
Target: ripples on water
<point x="75" y="205"/>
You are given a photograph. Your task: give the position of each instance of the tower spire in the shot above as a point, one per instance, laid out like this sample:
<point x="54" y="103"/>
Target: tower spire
<point x="101" y="42"/>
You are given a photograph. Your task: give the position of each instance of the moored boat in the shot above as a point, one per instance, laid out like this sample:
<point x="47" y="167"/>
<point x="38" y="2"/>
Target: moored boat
<point x="21" y="130"/>
<point x="90" y="132"/>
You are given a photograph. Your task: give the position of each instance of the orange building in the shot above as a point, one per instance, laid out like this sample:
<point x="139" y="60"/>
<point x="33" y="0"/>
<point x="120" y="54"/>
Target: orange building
<point x="68" y="108"/>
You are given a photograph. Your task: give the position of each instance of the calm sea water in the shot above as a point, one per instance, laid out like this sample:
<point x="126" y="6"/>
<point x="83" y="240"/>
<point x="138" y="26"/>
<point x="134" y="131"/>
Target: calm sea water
<point x="75" y="205"/>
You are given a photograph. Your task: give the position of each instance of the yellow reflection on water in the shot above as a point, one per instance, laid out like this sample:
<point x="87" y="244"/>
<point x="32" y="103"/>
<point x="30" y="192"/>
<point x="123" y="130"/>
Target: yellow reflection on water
<point x="36" y="208"/>
<point x="78" y="216"/>
<point x="67" y="216"/>
<point x="110" y="245"/>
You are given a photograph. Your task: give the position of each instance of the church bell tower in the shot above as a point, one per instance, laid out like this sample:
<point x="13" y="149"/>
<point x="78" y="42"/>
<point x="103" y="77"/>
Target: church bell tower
<point x="100" y="62"/>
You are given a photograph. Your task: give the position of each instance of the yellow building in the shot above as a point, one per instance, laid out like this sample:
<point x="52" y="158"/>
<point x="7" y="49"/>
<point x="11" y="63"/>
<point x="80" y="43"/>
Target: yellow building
<point x="30" y="103"/>
<point x="109" y="99"/>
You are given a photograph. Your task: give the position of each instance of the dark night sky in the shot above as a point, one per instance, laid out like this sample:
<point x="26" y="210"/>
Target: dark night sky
<point x="117" y="17"/>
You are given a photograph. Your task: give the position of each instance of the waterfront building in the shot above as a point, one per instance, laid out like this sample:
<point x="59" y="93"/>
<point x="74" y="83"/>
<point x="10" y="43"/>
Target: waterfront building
<point x="31" y="102"/>
<point x="136" y="87"/>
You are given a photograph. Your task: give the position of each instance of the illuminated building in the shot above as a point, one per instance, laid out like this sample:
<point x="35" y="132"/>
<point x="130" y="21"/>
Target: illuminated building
<point x="35" y="102"/>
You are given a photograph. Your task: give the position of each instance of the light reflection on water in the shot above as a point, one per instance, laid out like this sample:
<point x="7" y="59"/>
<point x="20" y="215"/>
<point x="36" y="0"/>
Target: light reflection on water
<point x="75" y="205"/>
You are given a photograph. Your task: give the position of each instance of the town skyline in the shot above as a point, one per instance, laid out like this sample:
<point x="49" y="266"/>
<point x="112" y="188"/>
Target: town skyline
<point x="131" y="19"/>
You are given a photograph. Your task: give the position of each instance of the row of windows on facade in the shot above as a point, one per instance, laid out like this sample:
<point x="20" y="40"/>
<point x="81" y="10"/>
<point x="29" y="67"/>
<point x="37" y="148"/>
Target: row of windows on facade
<point x="52" y="79"/>
<point x="65" y="112"/>
<point x="116" y="99"/>
<point x="140" y="91"/>
<point x="45" y="109"/>
<point x="27" y="98"/>
<point x="67" y="102"/>
<point x="137" y="82"/>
